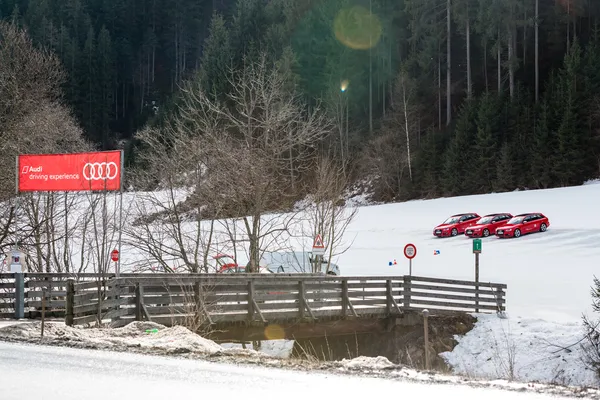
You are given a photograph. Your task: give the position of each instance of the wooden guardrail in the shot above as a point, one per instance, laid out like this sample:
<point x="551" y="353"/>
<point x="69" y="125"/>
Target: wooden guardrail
<point x="217" y="299"/>
<point x="21" y="294"/>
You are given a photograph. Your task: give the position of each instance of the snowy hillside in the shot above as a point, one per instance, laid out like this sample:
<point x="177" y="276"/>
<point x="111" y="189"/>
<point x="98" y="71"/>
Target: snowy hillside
<point x="548" y="274"/>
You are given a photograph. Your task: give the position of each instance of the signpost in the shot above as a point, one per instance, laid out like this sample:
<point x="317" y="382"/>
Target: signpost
<point x="114" y="255"/>
<point x="476" y="251"/>
<point x="318" y="251"/>
<point x="410" y="252"/>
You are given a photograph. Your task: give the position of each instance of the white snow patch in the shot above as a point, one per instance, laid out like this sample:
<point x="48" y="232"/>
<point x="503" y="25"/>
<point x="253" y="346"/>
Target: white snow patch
<point x="273" y="348"/>
<point x="521" y="349"/>
<point x="147" y="335"/>
<point x="370" y="363"/>
<point x="592" y="182"/>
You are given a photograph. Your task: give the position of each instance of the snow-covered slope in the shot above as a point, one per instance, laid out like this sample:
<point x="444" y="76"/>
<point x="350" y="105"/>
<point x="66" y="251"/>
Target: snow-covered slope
<point x="548" y="274"/>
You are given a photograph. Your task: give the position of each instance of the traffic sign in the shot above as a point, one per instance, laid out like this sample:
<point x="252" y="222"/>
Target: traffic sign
<point x="114" y="255"/>
<point x="476" y="246"/>
<point x="318" y="246"/>
<point x="410" y="251"/>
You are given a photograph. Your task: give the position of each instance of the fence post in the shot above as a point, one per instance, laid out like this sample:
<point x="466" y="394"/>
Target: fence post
<point x="19" y="295"/>
<point x="388" y="296"/>
<point x="43" y="309"/>
<point x="344" y="297"/>
<point x="70" y="302"/>
<point x="139" y="300"/>
<point x="301" y="299"/>
<point x="499" y="296"/>
<point x="426" y="337"/>
<point x="250" y="300"/>
<point x="406" y="284"/>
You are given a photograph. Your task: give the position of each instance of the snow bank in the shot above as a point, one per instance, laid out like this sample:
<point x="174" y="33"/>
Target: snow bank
<point x="382" y="367"/>
<point x="368" y="363"/>
<point x="142" y="335"/>
<point x="526" y="350"/>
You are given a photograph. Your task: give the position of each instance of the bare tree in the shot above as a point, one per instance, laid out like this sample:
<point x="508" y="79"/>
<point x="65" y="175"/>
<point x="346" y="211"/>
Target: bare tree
<point x="32" y="120"/>
<point x="388" y="157"/>
<point x="591" y="347"/>
<point x="327" y="212"/>
<point x="246" y="145"/>
<point x="177" y="222"/>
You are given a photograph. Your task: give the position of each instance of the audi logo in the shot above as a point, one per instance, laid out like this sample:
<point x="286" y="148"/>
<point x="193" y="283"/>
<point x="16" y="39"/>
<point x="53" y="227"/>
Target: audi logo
<point x="100" y="171"/>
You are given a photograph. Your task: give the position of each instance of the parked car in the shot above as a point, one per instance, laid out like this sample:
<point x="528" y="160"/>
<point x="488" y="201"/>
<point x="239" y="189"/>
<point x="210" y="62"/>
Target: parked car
<point x="296" y="262"/>
<point x="487" y="225"/>
<point x="523" y="224"/>
<point x="456" y="224"/>
<point x="226" y="264"/>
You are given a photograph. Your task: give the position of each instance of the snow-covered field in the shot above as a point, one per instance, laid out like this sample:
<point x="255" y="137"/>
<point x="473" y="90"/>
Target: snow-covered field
<point x="548" y="274"/>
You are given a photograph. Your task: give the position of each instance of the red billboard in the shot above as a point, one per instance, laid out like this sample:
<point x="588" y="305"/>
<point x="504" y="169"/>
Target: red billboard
<point x="78" y="172"/>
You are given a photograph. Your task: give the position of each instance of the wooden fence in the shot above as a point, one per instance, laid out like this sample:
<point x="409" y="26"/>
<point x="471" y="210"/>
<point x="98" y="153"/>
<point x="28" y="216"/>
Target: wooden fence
<point x="21" y="294"/>
<point x="224" y="299"/>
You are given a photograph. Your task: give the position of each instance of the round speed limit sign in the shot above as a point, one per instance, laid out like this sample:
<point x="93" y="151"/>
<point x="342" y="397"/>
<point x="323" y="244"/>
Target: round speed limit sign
<point x="410" y="251"/>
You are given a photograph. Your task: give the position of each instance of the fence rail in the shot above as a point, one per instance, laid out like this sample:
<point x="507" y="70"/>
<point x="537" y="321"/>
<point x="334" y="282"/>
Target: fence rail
<point x="218" y="299"/>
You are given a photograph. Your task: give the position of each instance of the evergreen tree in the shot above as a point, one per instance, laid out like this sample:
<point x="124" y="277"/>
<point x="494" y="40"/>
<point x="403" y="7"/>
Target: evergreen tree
<point x="106" y="85"/>
<point x="459" y="153"/>
<point x="217" y="59"/>
<point x="483" y="163"/>
<point x="504" y="170"/>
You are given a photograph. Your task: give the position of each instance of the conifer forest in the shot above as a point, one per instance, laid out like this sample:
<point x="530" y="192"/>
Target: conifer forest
<point x="427" y="98"/>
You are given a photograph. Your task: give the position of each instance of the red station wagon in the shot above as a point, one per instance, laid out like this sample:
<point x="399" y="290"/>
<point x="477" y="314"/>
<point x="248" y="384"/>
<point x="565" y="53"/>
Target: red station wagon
<point x="456" y="224"/>
<point x="487" y="225"/>
<point x="523" y="224"/>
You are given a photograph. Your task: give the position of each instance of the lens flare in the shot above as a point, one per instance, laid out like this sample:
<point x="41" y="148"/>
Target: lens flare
<point x="274" y="332"/>
<point x="357" y="28"/>
<point x="344" y="85"/>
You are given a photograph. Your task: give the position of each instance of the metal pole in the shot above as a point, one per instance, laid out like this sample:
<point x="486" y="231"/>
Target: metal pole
<point x="476" y="282"/>
<point x="410" y="266"/>
<point x="17" y="175"/>
<point x="426" y="337"/>
<point x="118" y="263"/>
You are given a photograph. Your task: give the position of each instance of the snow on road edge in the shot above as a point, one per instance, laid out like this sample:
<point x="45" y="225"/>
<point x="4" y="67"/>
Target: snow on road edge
<point x="155" y="339"/>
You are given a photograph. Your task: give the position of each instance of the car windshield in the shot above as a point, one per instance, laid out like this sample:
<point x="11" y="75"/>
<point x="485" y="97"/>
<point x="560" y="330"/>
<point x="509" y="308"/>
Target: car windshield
<point x="452" y="220"/>
<point x="485" y="220"/>
<point x="515" y="220"/>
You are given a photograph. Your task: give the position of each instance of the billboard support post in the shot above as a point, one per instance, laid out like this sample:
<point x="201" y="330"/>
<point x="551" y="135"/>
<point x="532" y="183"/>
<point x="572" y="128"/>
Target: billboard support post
<point x="118" y="265"/>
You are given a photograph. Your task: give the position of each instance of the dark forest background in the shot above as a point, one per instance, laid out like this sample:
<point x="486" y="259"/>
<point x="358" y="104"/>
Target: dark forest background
<point x="430" y="97"/>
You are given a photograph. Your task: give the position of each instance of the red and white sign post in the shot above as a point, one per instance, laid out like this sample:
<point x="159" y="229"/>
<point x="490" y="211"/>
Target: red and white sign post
<point x="410" y="252"/>
<point x="318" y="250"/>
<point x="78" y="172"/>
<point x="114" y="255"/>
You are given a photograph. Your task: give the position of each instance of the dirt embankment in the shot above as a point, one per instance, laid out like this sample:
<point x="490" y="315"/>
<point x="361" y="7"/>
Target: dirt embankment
<point x="404" y="344"/>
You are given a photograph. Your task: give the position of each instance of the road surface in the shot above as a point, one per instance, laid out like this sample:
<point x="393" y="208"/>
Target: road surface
<point x="52" y="373"/>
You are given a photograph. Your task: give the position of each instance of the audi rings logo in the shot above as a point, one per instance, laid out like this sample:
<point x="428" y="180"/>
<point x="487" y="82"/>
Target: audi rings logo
<point x="100" y="171"/>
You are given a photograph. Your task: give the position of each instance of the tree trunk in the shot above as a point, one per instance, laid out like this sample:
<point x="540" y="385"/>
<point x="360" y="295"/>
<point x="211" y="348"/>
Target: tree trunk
<point x="537" y="51"/>
<point x="511" y="67"/>
<point x="485" y="69"/>
<point x="406" y="128"/>
<point x="370" y="77"/>
<point x="449" y="66"/>
<point x="525" y="35"/>
<point x="499" y="57"/>
<point x="469" y="81"/>
<point x="439" y="76"/>
<point x="568" y="26"/>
